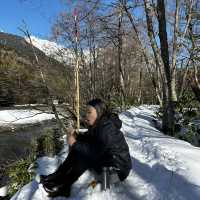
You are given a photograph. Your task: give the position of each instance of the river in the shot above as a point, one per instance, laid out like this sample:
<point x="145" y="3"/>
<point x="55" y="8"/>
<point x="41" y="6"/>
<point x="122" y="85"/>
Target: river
<point x="16" y="144"/>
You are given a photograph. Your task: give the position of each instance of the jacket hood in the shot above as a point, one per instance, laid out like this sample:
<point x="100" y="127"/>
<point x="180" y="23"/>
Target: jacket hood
<point x="115" y="120"/>
<point x="112" y="117"/>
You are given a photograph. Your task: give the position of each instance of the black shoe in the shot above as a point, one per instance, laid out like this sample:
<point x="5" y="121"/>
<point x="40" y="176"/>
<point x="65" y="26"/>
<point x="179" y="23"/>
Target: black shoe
<point x="55" y="191"/>
<point x="49" y="178"/>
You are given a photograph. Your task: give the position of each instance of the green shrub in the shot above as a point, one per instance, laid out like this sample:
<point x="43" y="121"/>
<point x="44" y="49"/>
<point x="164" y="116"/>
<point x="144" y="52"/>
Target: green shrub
<point x="115" y="103"/>
<point x="187" y="111"/>
<point x="192" y="136"/>
<point x="49" y="143"/>
<point x="19" y="172"/>
<point x="46" y="144"/>
<point x="19" y="175"/>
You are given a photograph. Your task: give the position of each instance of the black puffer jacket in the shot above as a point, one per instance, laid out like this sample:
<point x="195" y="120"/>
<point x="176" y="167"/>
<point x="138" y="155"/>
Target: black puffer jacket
<point x="105" y="145"/>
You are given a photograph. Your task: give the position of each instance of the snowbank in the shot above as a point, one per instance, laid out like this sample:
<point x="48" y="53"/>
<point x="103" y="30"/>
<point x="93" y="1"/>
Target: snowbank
<point x="163" y="167"/>
<point x="15" y="117"/>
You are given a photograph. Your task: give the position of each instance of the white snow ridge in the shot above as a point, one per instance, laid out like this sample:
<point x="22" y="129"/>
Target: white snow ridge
<point x="163" y="168"/>
<point x="52" y="49"/>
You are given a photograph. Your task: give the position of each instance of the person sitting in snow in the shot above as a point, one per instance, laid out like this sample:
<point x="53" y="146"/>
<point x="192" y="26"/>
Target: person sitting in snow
<point x="103" y="145"/>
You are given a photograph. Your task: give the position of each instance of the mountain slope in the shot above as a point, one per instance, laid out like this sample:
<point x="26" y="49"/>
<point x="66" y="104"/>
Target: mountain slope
<point x="53" y="50"/>
<point x="19" y="74"/>
<point x="24" y="49"/>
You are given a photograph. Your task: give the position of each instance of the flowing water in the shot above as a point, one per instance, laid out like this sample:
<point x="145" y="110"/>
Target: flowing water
<point x="17" y="144"/>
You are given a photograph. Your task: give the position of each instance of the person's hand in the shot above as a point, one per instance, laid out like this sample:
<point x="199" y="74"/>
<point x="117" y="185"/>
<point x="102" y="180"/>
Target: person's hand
<point x="70" y="131"/>
<point x="71" y="139"/>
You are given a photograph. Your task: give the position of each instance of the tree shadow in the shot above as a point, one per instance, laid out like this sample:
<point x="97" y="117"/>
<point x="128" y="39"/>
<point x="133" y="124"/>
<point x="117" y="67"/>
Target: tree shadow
<point x="128" y="114"/>
<point x="169" y="184"/>
<point x="33" y="187"/>
<point x="148" y="118"/>
<point x="145" y="116"/>
<point x="130" y="192"/>
<point x="150" y="131"/>
<point x="141" y="136"/>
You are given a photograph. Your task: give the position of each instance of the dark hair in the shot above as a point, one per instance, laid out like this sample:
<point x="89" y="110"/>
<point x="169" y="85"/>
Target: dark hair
<point x="99" y="106"/>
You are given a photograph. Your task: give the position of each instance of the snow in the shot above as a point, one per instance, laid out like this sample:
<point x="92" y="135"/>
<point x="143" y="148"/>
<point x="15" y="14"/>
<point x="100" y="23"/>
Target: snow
<point x="15" y="117"/>
<point x="53" y="49"/>
<point x="163" y="168"/>
<point x="3" y="191"/>
<point x="56" y="51"/>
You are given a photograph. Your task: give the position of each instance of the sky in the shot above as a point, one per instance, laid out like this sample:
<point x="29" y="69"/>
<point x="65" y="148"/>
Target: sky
<point x="38" y="15"/>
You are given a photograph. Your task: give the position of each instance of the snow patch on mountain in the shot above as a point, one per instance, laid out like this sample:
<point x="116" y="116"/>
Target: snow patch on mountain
<point x="52" y="49"/>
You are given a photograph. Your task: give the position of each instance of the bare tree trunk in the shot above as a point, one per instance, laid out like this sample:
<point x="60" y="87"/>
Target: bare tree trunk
<point x="160" y="100"/>
<point x="94" y="67"/>
<point x="159" y="87"/>
<point x="144" y="53"/>
<point x="140" y="86"/>
<point x="183" y="80"/>
<point x="90" y="72"/>
<point x="189" y="5"/>
<point x="196" y="91"/>
<point x="156" y="50"/>
<point x="168" y="116"/>
<point x="195" y="84"/>
<point x="62" y="126"/>
<point x="173" y="71"/>
<point x="121" y="72"/>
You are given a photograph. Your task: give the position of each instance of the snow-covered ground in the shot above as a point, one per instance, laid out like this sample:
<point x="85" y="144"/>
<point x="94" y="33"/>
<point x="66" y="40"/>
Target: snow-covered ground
<point x="15" y="117"/>
<point x="164" y="168"/>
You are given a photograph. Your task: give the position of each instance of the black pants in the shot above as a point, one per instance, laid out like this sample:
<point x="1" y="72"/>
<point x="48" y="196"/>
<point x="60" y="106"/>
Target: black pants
<point x="68" y="172"/>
